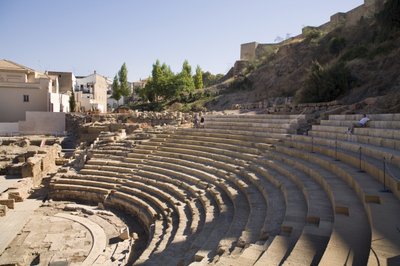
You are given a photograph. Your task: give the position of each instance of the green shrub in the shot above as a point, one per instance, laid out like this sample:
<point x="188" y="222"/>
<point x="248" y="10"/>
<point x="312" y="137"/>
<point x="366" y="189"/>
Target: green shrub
<point x="325" y="84"/>
<point x="311" y="33"/>
<point x="382" y="49"/>
<point x="240" y="84"/>
<point x="389" y="17"/>
<point x="355" y="52"/>
<point x="336" y="45"/>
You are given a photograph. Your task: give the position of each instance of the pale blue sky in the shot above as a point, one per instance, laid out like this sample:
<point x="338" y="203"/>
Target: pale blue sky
<point x="86" y="35"/>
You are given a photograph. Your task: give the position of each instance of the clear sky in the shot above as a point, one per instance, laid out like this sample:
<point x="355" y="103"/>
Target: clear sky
<point x="86" y="35"/>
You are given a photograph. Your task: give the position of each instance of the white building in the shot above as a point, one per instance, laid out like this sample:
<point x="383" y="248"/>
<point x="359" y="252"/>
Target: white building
<point x="23" y="89"/>
<point x="91" y="93"/>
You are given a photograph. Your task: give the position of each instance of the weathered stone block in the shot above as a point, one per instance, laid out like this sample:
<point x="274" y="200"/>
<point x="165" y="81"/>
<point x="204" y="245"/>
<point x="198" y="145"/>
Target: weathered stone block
<point x="8" y="202"/>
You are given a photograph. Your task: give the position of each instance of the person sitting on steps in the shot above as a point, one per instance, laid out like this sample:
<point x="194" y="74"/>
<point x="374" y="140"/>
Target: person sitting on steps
<point x="361" y="123"/>
<point x="202" y="122"/>
<point x="196" y="121"/>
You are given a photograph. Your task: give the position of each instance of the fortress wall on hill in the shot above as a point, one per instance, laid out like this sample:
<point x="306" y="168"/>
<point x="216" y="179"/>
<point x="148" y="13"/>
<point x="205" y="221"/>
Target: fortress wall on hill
<point x="254" y="50"/>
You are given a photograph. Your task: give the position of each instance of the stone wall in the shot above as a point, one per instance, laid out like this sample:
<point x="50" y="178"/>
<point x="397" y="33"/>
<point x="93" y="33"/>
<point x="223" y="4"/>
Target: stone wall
<point x="43" y="123"/>
<point x="86" y="128"/>
<point x="285" y="106"/>
<point x="39" y="165"/>
<point x="251" y="51"/>
<point x="248" y="51"/>
<point x="9" y="128"/>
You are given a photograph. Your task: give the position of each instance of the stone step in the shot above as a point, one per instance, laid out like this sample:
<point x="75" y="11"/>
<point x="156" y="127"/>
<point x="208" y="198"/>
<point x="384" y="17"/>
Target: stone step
<point x="109" y="152"/>
<point x="319" y="218"/>
<point x="275" y="204"/>
<point x="375" y="141"/>
<point x="161" y="208"/>
<point x="256" y="125"/>
<point x="296" y="206"/>
<point x="238" y="133"/>
<point x="111" y="175"/>
<point x="88" y="183"/>
<point x="74" y="192"/>
<point x="214" y="145"/>
<point x="371" y="124"/>
<point x="255" y="129"/>
<point x="231" y="135"/>
<point x="319" y="208"/>
<point x="108" y="168"/>
<point x="351" y="233"/>
<point x="134" y="205"/>
<point x="276" y="252"/>
<point x="256" y="120"/>
<point x="192" y="190"/>
<point x="261" y="116"/>
<point x="218" y="139"/>
<point x="107" y="157"/>
<point x="392" y="156"/>
<point x="119" y="164"/>
<point x="186" y="220"/>
<point x="210" y="149"/>
<point x="222" y="159"/>
<point x="377" y="117"/>
<point x="388" y="176"/>
<point x="365" y="131"/>
<point x="381" y="208"/>
<point x="254" y="230"/>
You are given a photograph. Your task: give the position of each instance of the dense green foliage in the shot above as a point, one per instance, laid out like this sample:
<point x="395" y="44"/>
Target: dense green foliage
<point x="198" y="78"/>
<point x="325" y="84"/>
<point x="123" y="81"/>
<point x="359" y="51"/>
<point x="241" y="83"/>
<point x="389" y="17"/>
<point x="311" y="33"/>
<point x="120" y="86"/>
<point x="116" y="91"/>
<point x="72" y="103"/>
<point x="336" y="45"/>
<point x="210" y="79"/>
<point x="164" y="85"/>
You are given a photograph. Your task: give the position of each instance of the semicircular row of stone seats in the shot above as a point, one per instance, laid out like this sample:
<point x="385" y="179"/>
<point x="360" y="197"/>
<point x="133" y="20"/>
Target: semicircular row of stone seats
<point x="368" y="162"/>
<point x="232" y="194"/>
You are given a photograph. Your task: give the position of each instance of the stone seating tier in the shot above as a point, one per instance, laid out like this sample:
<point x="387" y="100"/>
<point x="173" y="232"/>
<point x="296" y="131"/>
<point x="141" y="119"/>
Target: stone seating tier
<point x="372" y="132"/>
<point x="384" y="240"/>
<point x="374" y="117"/>
<point x="371" y="160"/>
<point x="253" y="199"/>
<point x="371" y="124"/>
<point x="375" y="141"/>
<point x="262" y="116"/>
<point x="243" y="191"/>
<point x="350" y="229"/>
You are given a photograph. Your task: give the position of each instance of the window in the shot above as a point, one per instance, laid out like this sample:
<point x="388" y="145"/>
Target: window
<point x="26" y="98"/>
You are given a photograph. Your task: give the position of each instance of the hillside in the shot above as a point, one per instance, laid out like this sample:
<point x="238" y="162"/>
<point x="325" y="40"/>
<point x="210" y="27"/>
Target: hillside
<point x="349" y="64"/>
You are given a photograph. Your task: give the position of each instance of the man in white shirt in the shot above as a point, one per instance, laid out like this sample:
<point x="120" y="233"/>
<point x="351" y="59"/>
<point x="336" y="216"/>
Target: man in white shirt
<point x="362" y="123"/>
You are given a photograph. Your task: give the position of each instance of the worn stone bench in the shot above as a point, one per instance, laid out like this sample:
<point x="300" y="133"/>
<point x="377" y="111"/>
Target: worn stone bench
<point x="385" y="241"/>
<point x="350" y="236"/>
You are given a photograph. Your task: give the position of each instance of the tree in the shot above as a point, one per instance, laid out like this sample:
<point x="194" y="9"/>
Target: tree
<point x="116" y="90"/>
<point x="72" y="103"/>
<point x="198" y="78"/>
<point x="325" y="83"/>
<point x="123" y="81"/>
<point x="184" y="80"/>
<point x="210" y="79"/>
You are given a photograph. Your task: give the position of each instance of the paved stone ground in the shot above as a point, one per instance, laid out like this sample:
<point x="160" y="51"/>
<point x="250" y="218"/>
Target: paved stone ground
<point x="54" y="238"/>
<point x="48" y="234"/>
<point x="14" y="221"/>
<point x="5" y="183"/>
